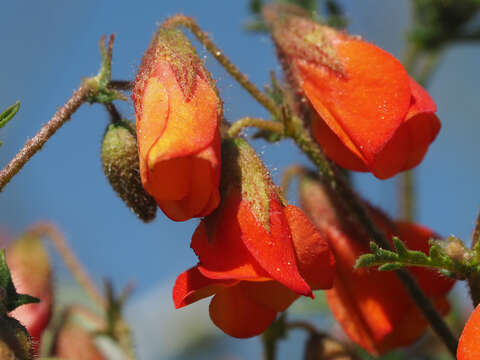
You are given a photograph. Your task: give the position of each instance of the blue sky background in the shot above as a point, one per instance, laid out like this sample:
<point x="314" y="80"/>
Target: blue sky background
<point x="48" y="46"/>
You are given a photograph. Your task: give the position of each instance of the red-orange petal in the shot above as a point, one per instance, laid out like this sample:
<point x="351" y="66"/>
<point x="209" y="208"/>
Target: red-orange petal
<point x="315" y="260"/>
<point x="188" y="127"/>
<point x="269" y="293"/>
<point x="273" y="250"/>
<point x="192" y="286"/>
<point x="410" y="143"/>
<point x="238" y="315"/>
<point x="335" y="149"/>
<point x="365" y="107"/>
<point x="367" y="311"/>
<point x="468" y="345"/>
<point x="222" y="252"/>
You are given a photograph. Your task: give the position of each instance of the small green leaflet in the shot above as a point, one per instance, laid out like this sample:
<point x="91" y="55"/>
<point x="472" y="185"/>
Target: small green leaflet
<point x="10" y="299"/>
<point x="8" y="114"/>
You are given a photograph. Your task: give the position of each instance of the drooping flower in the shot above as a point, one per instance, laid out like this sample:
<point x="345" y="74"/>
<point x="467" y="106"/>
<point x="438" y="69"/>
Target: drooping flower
<point x="468" y="345"/>
<point x="178" y="113"/>
<point x="31" y="273"/>
<point x="370" y="115"/>
<point x="372" y="307"/>
<point x="256" y="254"/>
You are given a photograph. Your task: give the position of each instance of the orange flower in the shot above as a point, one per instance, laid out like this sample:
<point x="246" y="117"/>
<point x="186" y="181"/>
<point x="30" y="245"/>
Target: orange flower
<point x="178" y="111"/>
<point x="371" y="115"/>
<point x="256" y="254"/>
<point x="373" y="307"/>
<point x="468" y="345"/>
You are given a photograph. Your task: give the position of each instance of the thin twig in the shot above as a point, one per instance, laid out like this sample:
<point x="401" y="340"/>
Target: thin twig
<point x="36" y="143"/>
<point x="269" y="125"/>
<point x="189" y="23"/>
<point x="430" y="64"/>
<point x="303" y="326"/>
<point x="124" y="85"/>
<point x="406" y="185"/>
<point x="474" y="279"/>
<point x="269" y="348"/>
<point x="115" y="116"/>
<point x="288" y="176"/>
<point x="46" y="229"/>
<point x="407" y="195"/>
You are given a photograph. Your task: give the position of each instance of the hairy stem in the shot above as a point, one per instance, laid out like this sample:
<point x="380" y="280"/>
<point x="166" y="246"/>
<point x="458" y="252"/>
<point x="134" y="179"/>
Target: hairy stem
<point x="288" y="176"/>
<point x="68" y="256"/>
<point x="115" y="116"/>
<point x="474" y="279"/>
<point x="407" y="195"/>
<point x="406" y="186"/>
<point x="36" y="143"/>
<point x="269" y="348"/>
<point x="124" y="85"/>
<point x="189" y="23"/>
<point x="242" y="123"/>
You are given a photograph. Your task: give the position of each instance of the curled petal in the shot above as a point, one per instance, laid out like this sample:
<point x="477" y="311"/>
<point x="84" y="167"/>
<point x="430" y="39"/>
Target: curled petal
<point x="238" y="315"/>
<point x="192" y="286"/>
<point x="221" y="250"/>
<point x="269" y="293"/>
<point x="315" y="260"/>
<point x="199" y="181"/>
<point x="274" y="251"/>
<point x="181" y="127"/>
<point x="348" y="103"/>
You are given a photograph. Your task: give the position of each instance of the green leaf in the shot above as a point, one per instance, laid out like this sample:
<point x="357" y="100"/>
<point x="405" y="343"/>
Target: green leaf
<point x="309" y="5"/>
<point x="390" y="267"/>
<point x="365" y="261"/>
<point x="402" y="250"/>
<point x="8" y="114"/>
<point x="439" y="258"/>
<point x="11" y="299"/>
<point x="255" y="6"/>
<point x="436" y="253"/>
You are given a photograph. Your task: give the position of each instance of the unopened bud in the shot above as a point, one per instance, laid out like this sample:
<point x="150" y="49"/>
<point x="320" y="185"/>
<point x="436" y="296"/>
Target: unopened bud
<point x="15" y="342"/>
<point x="456" y="250"/>
<point x="121" y="166"/>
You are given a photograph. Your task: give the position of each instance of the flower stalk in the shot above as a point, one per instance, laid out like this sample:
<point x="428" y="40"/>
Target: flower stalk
<point x="189" y="23"/>
<point x="94" y="89"/>
<point x="268" y="125"/>
<point x="68" y="256"/>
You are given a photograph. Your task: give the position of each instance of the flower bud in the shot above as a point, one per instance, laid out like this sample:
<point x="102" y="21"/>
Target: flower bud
<point x="121" y="167"/>
<point x="15" y="342"/>
<point x="31" y="273"/>
<point x="369" y="115"/>
<point x="178" y="112"/>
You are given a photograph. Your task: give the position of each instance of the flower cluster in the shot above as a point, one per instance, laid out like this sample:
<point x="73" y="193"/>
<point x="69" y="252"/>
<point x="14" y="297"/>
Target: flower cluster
<point x="373" y="308"/>
<point x="256" y="253"/>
